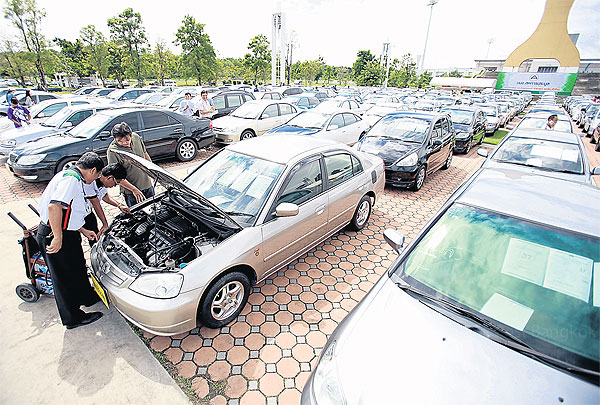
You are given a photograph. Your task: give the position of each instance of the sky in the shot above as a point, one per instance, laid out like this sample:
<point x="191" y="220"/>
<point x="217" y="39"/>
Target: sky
<point x="461" y="30"/>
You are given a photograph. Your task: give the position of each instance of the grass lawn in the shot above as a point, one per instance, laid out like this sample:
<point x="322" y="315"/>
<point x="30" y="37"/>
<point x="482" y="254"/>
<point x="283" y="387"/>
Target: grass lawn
<point x="496" y="138"/>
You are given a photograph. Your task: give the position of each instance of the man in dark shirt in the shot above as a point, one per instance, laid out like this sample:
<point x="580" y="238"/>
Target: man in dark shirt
<point x="18" y="114"/>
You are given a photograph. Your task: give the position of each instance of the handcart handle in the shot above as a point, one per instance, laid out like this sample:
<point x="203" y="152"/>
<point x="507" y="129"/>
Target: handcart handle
<point x="33" y="209"/>
<point x="12" y="216"/>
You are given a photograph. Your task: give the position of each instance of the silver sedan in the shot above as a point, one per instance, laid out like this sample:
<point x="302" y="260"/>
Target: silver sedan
<point x="193" y="252"/>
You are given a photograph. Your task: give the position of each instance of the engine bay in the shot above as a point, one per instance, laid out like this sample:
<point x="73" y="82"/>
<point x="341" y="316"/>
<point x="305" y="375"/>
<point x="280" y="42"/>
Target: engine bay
<point x="169" y="232"/>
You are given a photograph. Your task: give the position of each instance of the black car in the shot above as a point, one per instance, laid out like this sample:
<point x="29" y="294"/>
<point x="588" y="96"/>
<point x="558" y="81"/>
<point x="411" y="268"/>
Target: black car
<point x="165" y="134"/>
<point x="227" y="101"/>
<point x="412" y="145"/>
<point x="469" y="124"/>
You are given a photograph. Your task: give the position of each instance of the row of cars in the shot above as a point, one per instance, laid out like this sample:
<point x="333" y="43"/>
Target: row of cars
<point x="586" y="114"/>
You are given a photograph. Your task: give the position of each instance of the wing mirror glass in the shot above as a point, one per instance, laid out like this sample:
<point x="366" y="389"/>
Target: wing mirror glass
<point x="286" y="210"/>
<point x="437" y="142"/>
<point x="104" y="135"/>
<point x="394" y="238"/>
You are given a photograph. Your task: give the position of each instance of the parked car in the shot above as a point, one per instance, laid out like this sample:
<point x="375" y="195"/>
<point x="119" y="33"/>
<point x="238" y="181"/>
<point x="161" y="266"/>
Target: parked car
<point x="591" y="113"/>
<point x="165" y="134"/>
<point x="413" y="144"/>
<point x="36" y="96"/>
<point x="227" y="101"/>
<point x="83" y="91"/>
<point x="171" y="102"/>
<point x="126" y="94"/>
<point x="343" y="104"/>
<point x="268" y="95"/>
<point x="66" y="118"/>
<point x="42" y="111"/>
<point x="469" y="124"/>
<point x="101" y="92"/>
<point x="240" y="216"/>
<point x="343" y="126"/>
<point x="540" y="120"/>
<point x="548" y="153"/>
<point x="302" y="102"/>
<point x="374" y="114"/>
<point x="149" y="98"/>
<point x="251" y="119"/>
<point x="481" y="307"/>
<point x="492" y="115"/>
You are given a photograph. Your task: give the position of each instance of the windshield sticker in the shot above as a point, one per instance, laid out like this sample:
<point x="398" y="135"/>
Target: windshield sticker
<point x="219" y="200"/>
<point x="230" y="175"/>
<point x="596" y="285"/>
<point x="534" y="162"/>
<point x="546" y="151"/>
<point x="259" y="187"/>
<point x="570" y="155"/>
<point x="526" y="260"/>
<point x="243" y="181"/>
<point x="569" y="274"/>
<point x="507" y="311"/>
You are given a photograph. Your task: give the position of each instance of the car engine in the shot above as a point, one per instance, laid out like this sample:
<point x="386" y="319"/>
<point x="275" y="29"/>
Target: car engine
<point x="163" y="236"/>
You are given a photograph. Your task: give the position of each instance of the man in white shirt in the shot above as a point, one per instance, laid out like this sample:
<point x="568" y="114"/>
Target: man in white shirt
<point x="206" y="109"/>
<point x="186" y="107"/>
<point x="552" y="120"/>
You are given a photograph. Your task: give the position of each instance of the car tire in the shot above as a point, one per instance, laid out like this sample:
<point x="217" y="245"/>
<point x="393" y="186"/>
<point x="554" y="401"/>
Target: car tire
<point x="448" y="161"/>
<point x="27" y="292"/>
<point x="592" y="140"/>
<point x="186" y="150"/>
<point x="361" y="214"/>
<point x="66" y="164"/>
<point x="420" y="179"/>
<point x="468" y="146"/>
<point x="224" y="300"/>
<point x="247" y="134"/>
<point x="481" y="139"/>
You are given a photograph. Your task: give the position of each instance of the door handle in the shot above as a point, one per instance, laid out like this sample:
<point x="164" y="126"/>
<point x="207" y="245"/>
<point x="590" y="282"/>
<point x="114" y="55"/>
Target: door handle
<point x="177" y="130"/>
<point x="320" y="210"/>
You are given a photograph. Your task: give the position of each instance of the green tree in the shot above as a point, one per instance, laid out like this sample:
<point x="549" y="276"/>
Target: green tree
<point x="455" y="73"/>
<point x="259" y="58"/>
<point x="27" y="18"/>
<point x="75" y="56"/>
<point x="116" y="62"/>
<point x="364" y="58"/>
<point x="163" y="63"/>
<point x="199" y="56"/>
<point x="424" y="79"/>
<point x="403" y="73"/>
<point x="12" y="62"/>
<point x="370" y="74"/>
<point x="97" y="51"/>
<point x="126" y="30"/>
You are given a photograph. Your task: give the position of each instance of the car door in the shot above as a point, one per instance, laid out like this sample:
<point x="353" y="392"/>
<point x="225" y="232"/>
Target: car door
<point x="479" y="129"/>
<point x="233" y="102"/>
<point x="352" y="130"/>
<point x="76" y="118"/>
<point x="103" y="138"/>
<point x="345" y="187"/>
<point x="284" y="237"/>
<point x="268" y="119"/>
<point x="435" y="150"/>
<point x="160" y="133"/>
<point x="335" y="129"/>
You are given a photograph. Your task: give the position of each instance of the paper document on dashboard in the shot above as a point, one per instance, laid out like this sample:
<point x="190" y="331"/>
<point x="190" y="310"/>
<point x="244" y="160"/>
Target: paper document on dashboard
<point x="569" y="274"/>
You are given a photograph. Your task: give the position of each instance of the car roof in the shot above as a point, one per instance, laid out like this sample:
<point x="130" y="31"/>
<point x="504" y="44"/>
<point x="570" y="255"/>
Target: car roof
<point x="543" y="134"/>
<point x="282" y="148"/>
<point x="556" y="202"/>
<point x="545" y="115"/>
<point x="417" y="114"/>
<point x="266" y="102"/>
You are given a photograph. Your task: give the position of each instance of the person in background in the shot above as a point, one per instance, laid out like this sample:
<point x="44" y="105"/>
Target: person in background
<point x="552" y="120"/>
<point x="97" y="191"/>
<point x="136" y="187"/>
<point x="206" y="109"/>
<point x="186" y="107"/>
<point x="28" y="100"/>
<point x="62" y="210"/>
<point x="18" y="114"/>
<point x="10" y="95"/>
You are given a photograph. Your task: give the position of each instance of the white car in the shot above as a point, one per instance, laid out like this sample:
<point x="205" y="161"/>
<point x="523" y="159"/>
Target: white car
<point x="343" y="126"/>
<point x="251" y="119"/>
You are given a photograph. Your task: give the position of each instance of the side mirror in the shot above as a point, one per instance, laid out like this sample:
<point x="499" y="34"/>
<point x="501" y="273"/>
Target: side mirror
<point x="286" y="210"/>
<point x="67" y="124"/>
<point x="437" y="142"/>
<point x="394" y="238"/>
<point x="483" y="152"/>
<point x="596" y="171"/>
<point x="104" y="135"/>
<point x="41" y="115"/>
<point x="332" y="127"/>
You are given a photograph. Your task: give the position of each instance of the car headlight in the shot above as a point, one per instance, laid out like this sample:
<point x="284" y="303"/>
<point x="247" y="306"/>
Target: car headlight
<point x="158" y="285"/>
<point x="462" y="135"/>
<point x="29" y="160"/>
<point x="409" y="160"/>
<point x="326" y="383"/>
<point x="8" y="142"/>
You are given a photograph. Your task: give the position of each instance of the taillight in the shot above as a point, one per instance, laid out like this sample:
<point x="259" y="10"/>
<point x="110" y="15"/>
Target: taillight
<point x="210" y="124"/>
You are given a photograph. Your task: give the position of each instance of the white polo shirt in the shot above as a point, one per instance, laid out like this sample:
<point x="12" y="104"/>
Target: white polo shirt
<point x="66" y="190"/>
<point x="94" y="189"/>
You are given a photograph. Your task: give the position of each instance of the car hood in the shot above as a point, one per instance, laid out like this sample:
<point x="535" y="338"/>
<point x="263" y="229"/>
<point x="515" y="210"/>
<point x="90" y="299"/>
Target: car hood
<point x="27" y="133"/>
<point x="462" y="127"/>
<point x="580" y="178"/>
<point x="168" y="181"/>
<point x="390" y="150"/>
<point x="291" y="130"/>
<point x="231" y="123"/>
<point x="47" y="144"/>
<point x="410" y="352"/>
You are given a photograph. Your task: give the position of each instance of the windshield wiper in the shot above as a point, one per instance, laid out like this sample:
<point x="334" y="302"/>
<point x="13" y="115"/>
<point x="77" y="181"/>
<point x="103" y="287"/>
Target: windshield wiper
<point x="509" y="340"/>
<point x="241" y="214"/>
<point x="548" y="169"/>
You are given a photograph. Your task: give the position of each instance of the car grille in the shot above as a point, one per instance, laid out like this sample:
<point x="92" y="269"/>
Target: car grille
<point x="12" y="158"/>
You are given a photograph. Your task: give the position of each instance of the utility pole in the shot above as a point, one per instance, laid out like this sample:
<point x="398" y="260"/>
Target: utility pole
<point x="430" y="4"/>
<point x="489" y="41"/>
<point x="385" y="56"/>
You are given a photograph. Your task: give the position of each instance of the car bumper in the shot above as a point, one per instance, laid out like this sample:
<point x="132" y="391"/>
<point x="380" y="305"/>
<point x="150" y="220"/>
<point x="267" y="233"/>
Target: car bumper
<point x="226" y="138"/>
<point x="163" y="317"/>
<point x="34" y="173"/>
<point x="461" y="144"/>
<point x="400" y="177"/>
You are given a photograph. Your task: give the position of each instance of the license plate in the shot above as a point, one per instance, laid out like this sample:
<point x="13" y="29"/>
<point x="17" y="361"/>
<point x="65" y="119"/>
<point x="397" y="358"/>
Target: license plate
<point x="99" y="290"/>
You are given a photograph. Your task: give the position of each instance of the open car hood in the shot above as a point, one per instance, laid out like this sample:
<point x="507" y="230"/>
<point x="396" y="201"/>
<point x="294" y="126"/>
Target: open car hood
<point x="168" y="181"/>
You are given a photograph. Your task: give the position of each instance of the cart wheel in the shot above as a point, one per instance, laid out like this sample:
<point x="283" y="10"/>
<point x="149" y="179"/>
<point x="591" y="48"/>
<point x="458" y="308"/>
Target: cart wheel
<point x="27" y="293"/>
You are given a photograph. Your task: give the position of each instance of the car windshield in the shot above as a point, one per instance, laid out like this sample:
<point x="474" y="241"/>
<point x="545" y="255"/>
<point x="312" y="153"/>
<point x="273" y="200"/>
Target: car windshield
<point x="165" y="102"/>
<point x="460" y="116"/>
<point x="490" y="112"/>
<point x="248" y="110"/>
<point x="407" y="129"/>
<point x="540" y="123"/>
<point x="534" y="279"/>
<point x="90" y="126"/>
<point x="380" y="111"/>
<point x="238" y="184"/>
<point x="313" y="120"/>
<point x="58" y="118"/>
<point x="548" y="155"/>
<point x="36" y="108"/>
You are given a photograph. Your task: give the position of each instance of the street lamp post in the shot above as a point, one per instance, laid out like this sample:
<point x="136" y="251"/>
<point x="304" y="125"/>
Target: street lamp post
<point x="430" y="4"/>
